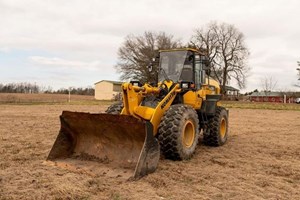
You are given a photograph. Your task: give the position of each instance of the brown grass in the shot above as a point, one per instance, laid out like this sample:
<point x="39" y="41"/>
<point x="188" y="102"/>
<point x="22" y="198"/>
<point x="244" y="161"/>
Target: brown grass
<point x="50" y="98"/>
<point x="36" y="99"/>
<point x="261" y="105"/>
<point x="260" y="161"/>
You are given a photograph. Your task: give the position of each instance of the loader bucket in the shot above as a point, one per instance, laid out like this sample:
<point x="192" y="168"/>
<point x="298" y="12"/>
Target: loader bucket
<point x="116" y="141"/>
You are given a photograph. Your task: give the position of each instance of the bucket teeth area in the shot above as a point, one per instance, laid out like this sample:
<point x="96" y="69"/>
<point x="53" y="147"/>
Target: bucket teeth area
<point x="117" y="141"/>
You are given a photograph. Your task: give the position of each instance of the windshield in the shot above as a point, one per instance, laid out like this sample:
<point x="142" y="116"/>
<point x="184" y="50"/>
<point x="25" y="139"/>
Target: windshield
<point x="171" y="64"/>
<point x="175" y="65"/>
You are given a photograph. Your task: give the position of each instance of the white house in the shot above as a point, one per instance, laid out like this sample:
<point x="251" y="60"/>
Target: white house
<point x="107" y="90"/>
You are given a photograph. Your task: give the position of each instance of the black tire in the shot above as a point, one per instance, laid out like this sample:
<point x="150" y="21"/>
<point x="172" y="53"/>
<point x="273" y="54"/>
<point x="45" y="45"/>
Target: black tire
<point x="216" y="132"/>
<point x="115" y="109"/>
<point x="178" y="132"/>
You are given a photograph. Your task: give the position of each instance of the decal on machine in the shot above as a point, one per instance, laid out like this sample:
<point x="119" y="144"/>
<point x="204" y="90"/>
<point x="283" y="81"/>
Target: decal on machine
<point x="167" y="100"/>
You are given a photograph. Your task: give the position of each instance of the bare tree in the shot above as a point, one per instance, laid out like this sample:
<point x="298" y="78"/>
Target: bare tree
<point x="298" y="70"/>
<point x="22" y="87"/>
<point x="137" y="51"/>
<point x="227" y="51"/>
<point x="268" y="84"/>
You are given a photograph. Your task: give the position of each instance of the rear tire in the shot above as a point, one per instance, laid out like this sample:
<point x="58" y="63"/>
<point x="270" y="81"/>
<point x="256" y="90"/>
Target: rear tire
<point x="115" y="109"/>
<point x="178" y="132"/>
<point x="217" y="129"/>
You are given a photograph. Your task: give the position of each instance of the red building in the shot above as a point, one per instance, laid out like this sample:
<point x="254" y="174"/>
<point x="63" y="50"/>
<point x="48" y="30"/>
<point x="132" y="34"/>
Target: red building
<point x="278" y="97"/>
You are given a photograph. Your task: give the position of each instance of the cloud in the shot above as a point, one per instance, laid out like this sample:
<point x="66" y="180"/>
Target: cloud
<point x="81" y="37"/>
<point x="4" y="50"/>
<point x="63" y="63"/>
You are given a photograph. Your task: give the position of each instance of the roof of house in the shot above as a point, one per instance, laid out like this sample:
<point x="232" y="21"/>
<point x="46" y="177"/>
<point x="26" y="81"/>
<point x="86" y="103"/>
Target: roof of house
<point x="230" y="88"/>
<point x="113" y="82"/>
<point x="264" y="94"/>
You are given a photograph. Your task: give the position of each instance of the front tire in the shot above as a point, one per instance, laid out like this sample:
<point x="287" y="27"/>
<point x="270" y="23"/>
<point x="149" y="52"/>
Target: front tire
<point x="178" y="132"/>
<point x="216" y="132"/>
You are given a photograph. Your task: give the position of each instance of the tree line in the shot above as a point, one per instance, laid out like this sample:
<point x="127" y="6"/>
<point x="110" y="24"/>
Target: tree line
<point x="20" y="88"/>
<point x="223" y="43"/>
<point x="80" y="91"/>
<point x="25" y="87"/>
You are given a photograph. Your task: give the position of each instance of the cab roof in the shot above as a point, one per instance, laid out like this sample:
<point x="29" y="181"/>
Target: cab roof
<point x="183" y="49"/>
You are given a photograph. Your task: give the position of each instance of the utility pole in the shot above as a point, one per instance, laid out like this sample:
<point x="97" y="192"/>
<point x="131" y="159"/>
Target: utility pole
<point x="70" y="94"/>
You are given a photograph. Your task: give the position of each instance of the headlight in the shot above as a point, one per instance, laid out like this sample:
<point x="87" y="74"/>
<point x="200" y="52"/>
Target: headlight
<point x="136" y="83"/>
<point x="184" y="85"/>
<point x="212" y="88"/>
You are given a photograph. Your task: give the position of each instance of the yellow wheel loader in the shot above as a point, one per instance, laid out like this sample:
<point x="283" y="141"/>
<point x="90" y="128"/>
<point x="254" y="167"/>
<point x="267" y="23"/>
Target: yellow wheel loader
<point x="165" y="118"/>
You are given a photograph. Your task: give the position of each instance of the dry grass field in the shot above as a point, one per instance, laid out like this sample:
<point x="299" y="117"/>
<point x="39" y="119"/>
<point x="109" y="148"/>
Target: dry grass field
<point x="21" y="98"/>
<point x="260" y="161"/>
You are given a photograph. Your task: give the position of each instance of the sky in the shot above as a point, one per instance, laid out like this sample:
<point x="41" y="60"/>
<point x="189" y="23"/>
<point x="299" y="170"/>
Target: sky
<point x="64" y="43"/>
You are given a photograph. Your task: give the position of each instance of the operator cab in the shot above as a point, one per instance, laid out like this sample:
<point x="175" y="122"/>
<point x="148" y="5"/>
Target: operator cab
<point x="182" y="66"/>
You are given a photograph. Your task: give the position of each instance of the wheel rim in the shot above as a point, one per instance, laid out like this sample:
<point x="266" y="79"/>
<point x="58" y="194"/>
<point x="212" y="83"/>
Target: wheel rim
<point x="223" y="127"/>
<point x="188" y="134"/>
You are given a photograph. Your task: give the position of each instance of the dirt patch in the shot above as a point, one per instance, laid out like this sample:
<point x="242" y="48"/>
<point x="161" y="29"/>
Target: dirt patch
<point x="260" y="161"/>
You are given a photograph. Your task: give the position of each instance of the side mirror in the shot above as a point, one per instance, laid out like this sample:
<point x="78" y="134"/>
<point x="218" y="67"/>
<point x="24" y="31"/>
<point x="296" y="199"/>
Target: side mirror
<point x="191" y="58"/>
<point x="152" y="62"/>
<point x="150" y="67"/>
